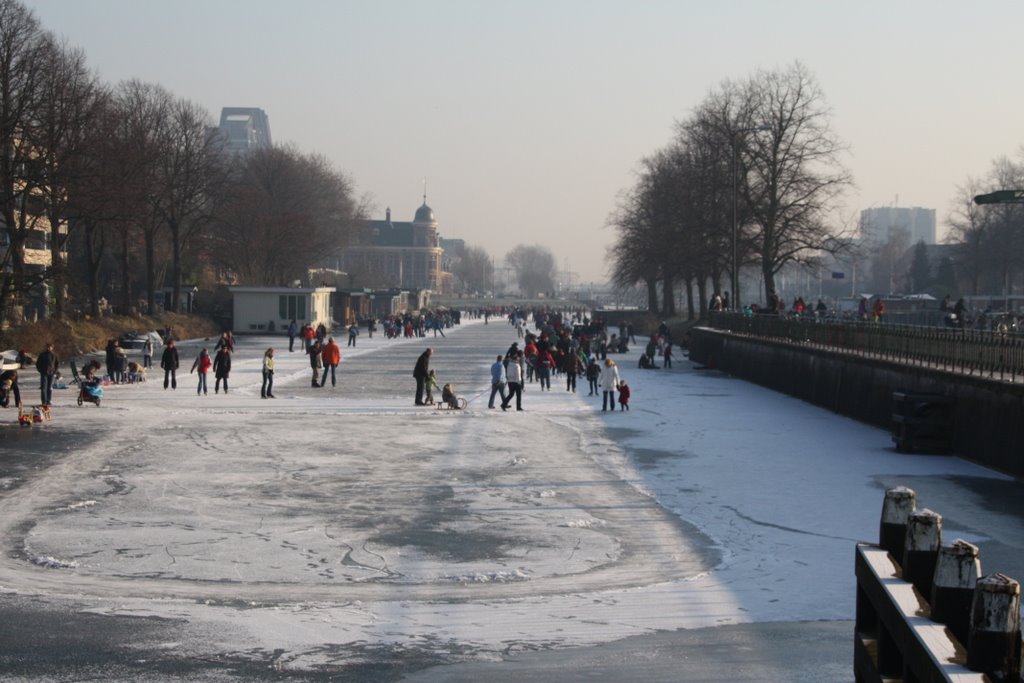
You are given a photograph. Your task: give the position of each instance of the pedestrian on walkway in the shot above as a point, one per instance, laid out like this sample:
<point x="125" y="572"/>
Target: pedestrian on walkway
<point x="267" y="390"/>
<point x="498" y="382"/>
<point x="609" y="381"/>
<point x="623" y="396"/>
<point x="353" y="332"/>
<point x="47" y="364"/>
<point x="667" y="353"/>
<point x="147" y="353"/>
<point x="202" y="363"/>
<point x="169" y="364"/>
<point x="420" y="372"/>
<point x="331" y="356"/>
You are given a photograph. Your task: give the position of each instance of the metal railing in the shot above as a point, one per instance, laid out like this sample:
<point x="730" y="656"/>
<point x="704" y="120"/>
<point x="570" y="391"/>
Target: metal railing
<point x="973" y="352"/>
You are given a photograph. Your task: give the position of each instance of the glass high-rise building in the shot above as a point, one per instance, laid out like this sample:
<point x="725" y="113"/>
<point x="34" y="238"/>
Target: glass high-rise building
<point x="244" y="129"/>
<point x="878" y="224"/>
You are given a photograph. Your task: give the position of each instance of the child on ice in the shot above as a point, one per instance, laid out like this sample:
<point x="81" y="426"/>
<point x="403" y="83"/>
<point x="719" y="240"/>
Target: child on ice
<point x="623" y="396"/>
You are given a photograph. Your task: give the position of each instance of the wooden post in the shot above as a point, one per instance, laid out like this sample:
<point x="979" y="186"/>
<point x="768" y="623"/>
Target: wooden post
<point x="956" y="571"/>
<point x="994" y="641"/>
<point x="897" y="507"/>
<point x="924" y="536"/>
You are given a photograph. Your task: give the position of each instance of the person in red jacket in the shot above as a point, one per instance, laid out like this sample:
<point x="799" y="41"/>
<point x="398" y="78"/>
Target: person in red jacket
<point x="203" y="364"/>
<point x="623" y="396"/>
<point x="545" y="366"/>
<point x="330" y="356"/>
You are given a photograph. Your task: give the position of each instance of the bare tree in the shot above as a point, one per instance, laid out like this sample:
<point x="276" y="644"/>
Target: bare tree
<point x="476" y="269"/>
<point x="535" y="269"/>
<point x="191" y="171"/>
<point x="787" y="163"/>
<point x="990" y="238"/>
<point x="794" y="172"/>
<point x="280" y="213"/>
<point x="25" y="50"/>
<point x="70" y="105"/>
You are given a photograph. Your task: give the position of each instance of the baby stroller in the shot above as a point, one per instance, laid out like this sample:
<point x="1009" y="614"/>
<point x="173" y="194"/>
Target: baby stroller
<point x="88" y="387"/>
<point x="89" y="390"/>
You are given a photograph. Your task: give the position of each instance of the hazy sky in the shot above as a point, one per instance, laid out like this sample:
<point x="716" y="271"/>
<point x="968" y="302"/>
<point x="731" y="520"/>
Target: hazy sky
<point x="528" y="118"/>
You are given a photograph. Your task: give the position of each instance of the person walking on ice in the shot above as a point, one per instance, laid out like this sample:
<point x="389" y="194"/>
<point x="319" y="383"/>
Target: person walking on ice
<point x="609" y="381"/>
<point x="267" y="390"/>
<point x="421" y="372"/>
<point x="222" y="368"/>
<point x="169" y="363"/>
<point x="330" y="356"/>
<point x="203" y="364"/>
<point x="498" y="382"/>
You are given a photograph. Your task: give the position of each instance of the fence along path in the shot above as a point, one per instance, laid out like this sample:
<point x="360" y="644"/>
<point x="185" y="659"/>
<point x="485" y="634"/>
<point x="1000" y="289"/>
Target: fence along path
<point x="995" y="355"/>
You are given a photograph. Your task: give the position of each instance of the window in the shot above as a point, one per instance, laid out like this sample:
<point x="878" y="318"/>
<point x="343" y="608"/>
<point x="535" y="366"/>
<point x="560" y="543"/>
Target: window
<point x="292" y="307"/>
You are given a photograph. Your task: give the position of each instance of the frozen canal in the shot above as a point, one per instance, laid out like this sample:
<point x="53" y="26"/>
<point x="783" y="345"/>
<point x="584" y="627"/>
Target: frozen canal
<point x="346" y="534"/>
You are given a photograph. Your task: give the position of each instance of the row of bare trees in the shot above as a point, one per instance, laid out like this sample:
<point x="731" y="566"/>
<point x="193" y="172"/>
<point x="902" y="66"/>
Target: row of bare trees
<point x="989" y="239"/>
<point x="136" y="186"/>
<point x="756" y="168"/>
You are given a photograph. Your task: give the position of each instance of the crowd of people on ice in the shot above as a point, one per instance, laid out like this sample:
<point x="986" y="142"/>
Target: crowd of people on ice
<point x="566" y="346"/>
<point x="562" y="345"/>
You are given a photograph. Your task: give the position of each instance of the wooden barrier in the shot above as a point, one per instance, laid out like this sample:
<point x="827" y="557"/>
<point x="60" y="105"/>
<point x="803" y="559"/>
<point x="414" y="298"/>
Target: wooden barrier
<point x="897" y="635"/>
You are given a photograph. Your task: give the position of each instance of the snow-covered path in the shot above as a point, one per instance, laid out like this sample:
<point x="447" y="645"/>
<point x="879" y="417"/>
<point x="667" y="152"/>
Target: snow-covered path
<point x="331" y="520"/>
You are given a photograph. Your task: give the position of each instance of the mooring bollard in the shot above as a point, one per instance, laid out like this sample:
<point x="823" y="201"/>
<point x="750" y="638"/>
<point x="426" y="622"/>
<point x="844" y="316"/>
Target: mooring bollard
<point x="924" y="536"/>
<point x="956" y="572"/>
<point x="994" y="641"/>
<point x="897" y="507"/>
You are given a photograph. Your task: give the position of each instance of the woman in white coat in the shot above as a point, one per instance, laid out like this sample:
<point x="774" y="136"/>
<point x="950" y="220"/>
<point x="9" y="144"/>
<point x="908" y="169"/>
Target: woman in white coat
<point x="609" y="382"/>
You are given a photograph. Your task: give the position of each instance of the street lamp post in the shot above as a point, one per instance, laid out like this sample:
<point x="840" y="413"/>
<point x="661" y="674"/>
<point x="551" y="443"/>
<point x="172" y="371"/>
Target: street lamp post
<point x="735" y="213"/>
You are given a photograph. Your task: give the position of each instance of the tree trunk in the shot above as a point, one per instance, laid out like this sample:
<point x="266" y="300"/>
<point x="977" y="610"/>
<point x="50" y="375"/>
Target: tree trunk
<point x="652" y="295"/>
<point x="702" y="293"/>
<point x="59" y="268"/>
<point x="175" y="265"/>
<point x="94" y="248"/>
<point x="150" y="271"/>
<point x="691" y="309"/>
<point x="126" y="278"/>
<point x="668" y="296"/>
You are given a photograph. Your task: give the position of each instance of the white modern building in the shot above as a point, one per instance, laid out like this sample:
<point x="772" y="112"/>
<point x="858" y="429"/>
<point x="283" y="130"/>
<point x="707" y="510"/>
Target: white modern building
<point x="260" y="310"/>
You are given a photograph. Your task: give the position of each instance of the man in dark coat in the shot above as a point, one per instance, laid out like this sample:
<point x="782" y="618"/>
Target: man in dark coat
<point x="47" y="364"/>
<point x="222" y="368"/>
<point x="421" y="372"/>
<point x="169" y="362"/>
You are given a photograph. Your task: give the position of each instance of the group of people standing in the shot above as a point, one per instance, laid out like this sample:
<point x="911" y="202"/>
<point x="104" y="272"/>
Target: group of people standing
<point x="47" y="365"/>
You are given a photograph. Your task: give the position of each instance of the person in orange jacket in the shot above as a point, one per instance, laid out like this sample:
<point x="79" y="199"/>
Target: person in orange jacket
<point x="330" y="356"/>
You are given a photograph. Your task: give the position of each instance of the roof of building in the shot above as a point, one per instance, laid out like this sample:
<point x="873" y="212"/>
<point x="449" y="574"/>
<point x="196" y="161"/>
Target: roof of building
<point x="424" y="214"/>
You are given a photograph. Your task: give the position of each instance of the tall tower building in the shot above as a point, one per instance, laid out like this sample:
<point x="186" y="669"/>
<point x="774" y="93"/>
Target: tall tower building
<point x="244" y="129"/>
<point x="877" y="225"/>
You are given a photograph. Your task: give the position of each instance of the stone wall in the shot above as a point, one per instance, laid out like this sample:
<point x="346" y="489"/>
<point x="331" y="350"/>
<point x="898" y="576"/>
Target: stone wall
<point x="988" y="414"/>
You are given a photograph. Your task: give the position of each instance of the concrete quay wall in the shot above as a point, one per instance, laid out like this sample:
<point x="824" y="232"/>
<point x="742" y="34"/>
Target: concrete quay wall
<point x="988" y="414"/>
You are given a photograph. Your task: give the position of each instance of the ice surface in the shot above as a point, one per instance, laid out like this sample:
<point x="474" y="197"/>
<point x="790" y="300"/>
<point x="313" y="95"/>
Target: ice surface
<point x="347" y="516"/>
